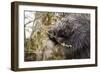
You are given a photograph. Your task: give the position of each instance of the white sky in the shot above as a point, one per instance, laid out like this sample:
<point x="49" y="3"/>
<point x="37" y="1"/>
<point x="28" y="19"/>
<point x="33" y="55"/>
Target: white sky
<point x="30" y="17"/>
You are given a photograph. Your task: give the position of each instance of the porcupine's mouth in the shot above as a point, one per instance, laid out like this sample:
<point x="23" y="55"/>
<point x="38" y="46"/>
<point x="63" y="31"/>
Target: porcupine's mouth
<point x="55" y="41"/>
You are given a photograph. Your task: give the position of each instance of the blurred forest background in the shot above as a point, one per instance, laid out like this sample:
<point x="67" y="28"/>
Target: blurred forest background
<point x="36" y="42"/>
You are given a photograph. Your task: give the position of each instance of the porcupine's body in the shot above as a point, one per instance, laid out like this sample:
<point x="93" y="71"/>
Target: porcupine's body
<point x="73" y="29"/>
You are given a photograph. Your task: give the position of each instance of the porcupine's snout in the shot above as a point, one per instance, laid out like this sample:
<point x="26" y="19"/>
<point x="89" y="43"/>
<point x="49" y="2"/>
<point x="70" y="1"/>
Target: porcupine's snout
<point x="52" y="36"/>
